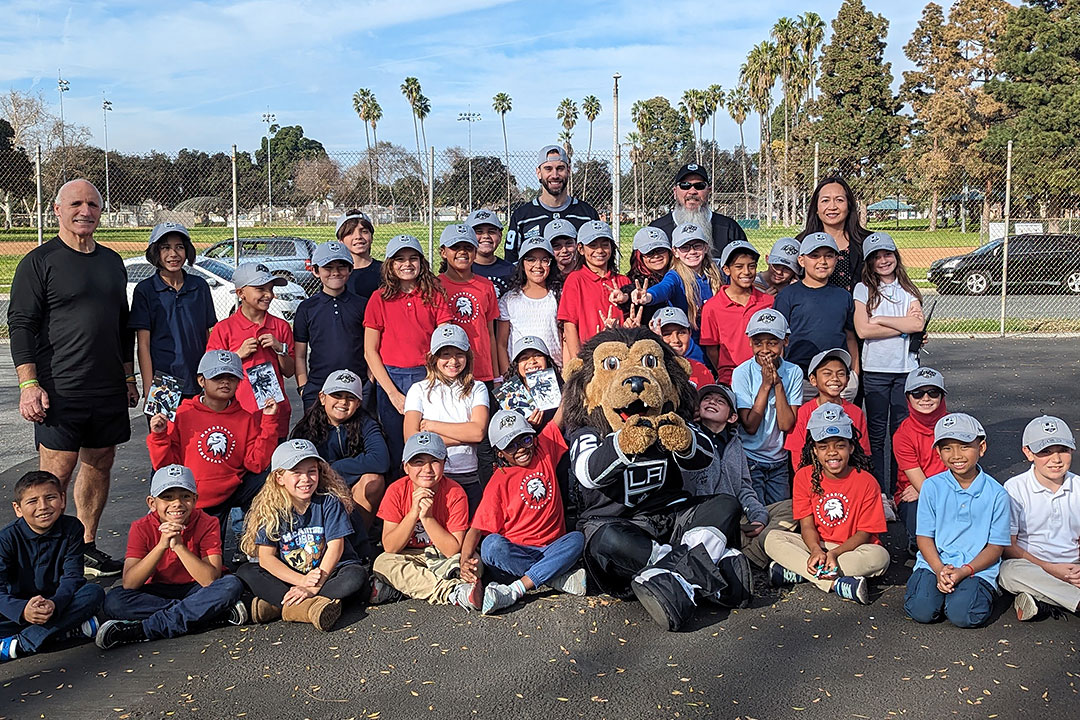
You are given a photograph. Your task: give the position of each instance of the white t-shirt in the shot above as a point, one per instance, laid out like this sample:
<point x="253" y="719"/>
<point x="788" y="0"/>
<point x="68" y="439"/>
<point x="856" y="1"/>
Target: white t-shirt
<point x="445" y="404"/>
<point x="1045" y="523"/>
<point x="532" y="317"/>
<point x="890" y="354"/>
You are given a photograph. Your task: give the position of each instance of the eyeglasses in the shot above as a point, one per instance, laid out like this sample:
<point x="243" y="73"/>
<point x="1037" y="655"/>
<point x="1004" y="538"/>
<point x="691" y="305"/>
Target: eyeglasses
<point x="699" y="185"/>
<point x="543" y="260"/>
<point x="932" y="392"/>
<point x="521" y="441"/>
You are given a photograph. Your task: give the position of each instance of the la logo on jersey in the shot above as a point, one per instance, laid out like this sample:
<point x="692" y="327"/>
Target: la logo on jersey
<point x="832" y="509"/>
<point x="534" y="490"/>
<point x="465" y="306"/>
<point x="216" y="444"/>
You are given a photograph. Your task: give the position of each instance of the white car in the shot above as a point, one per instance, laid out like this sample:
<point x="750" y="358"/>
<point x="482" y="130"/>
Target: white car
<point x="218" y="276"/>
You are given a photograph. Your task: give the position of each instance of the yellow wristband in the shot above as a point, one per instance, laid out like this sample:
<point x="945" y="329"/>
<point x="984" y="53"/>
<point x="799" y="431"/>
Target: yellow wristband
<point x="27" y="383"/>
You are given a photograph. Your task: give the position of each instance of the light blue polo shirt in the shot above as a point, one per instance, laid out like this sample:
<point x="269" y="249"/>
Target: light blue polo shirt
<point x="767" y="444"/>
<point x="963" y="522"/>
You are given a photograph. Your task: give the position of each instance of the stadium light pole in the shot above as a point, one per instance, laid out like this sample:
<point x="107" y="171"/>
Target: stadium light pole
<point x="269" y="118"/>
<point x="106" y="108"/>
<point x="469" y="117"/>
<point x="616" y="181"/>
<point x="62" y="86"/>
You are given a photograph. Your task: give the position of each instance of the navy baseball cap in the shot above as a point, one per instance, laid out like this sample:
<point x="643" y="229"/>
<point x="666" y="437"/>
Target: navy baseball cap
<point x="256" y="275"/>
<point x="691" y="169"/>
<point x="329" y="252"/>
<point x="172" y="476"/>
<point x="453" y="234"/>
<point x="1046" y="431"/>
<point x="483" y="217"/>
<point x="424" y="443"/>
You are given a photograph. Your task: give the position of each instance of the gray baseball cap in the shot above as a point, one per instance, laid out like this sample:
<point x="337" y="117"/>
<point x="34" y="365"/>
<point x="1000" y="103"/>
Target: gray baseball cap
<point x="877" y="241"/>
<point x="507" y="425"/>
<point x="559" y="228"/>
<point x="483" y="217"/>
<point x="449" y="335"/>
<point x="529" y="342"/>
<point x="1046" y="431"/>
<point x="256" y="275"/>
<point x="535" y="243"/>
<point x="829" y="420"/>
<point x="401" y="242"/>
<point x="424" y="443"/>
<point x="737" y="246"/>
<point x="220" y="362"/>
<point x="672" y="316"/>
<point x="725" y="390"/>
<point x="785" y="251"/>
<point x="459" y="233"/>
<point x="958" y="426"/>
<point x="542" y="156"/>
<point x="816" y="240"/>
<point x="686" y="233"/>
<point x="346" y="218"/>
<point x="594" y="230"/>
<point x="924" y="377"/>
<point x="290" y="453"/>
<point x="162" y="229"/>
<point x="839" y="353"/>
<point x="767" y="321"/>
<point x="343" y="381"/>
<point x="329" y="252"/>
<point x="648" y="239"/>
<point x="172" y="476"/>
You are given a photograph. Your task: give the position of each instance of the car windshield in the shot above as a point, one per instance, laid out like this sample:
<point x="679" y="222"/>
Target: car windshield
<point x="988" y="247"/>
<point x="255" y="248"/>
<point x="139" y="271"/>
<point x="220" y="269"/>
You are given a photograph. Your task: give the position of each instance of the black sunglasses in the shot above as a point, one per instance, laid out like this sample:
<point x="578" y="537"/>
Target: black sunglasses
<point x="932" y="392"/>
<point x="699" y="185"/>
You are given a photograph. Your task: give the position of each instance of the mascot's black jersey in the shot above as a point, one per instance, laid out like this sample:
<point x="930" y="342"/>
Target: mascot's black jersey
<point x="615" y="485"/>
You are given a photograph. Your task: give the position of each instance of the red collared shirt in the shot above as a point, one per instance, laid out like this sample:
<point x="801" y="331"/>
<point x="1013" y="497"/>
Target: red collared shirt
<point x="406" y="323"/>
<point x="723" y="324"/>
<point x="201" y="536"/>
<point x="585" y="303"/>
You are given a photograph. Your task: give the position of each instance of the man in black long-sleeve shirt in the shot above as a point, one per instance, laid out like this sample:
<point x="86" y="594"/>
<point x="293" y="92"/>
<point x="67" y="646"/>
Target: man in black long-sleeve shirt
<point x="73" y="353"/>
<point x="692" y="191"/>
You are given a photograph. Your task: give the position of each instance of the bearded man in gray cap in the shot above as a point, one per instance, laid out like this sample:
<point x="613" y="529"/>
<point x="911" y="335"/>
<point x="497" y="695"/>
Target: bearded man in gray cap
<point x="692" y="191"/>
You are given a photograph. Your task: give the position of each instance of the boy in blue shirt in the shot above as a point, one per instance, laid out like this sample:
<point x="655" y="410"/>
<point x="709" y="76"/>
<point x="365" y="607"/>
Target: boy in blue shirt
<point x="821" y="316"/>
<point x="329" y="324"/>
<point x="768" y="392"/>
<point x="962" y="529"/>
<point x="43" y="595"/>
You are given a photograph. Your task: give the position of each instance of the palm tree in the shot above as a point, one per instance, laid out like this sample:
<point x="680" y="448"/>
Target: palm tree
<point x="374" y="115"/>
<point x="423" y="109"/>
<point x="714" y="100"/>
<point x="591" y="106"/>
<point x="811" y="34"/>
<point x="567" y="112"/>
<point x="786" y="35"/>
<point x="689" y="106"/>
<point x="759" y="75"/>
<point x="502" y="104"/>
<point x="360" y="100"/>
<point x="411" y="90"/>
<point x="738" y="106"/>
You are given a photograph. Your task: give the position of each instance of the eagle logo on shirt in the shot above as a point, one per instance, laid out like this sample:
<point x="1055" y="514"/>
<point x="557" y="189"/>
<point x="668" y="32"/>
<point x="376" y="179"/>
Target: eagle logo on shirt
<point x="465" y="305"/>
<point x="832" y="510"/>
<point x="534" y="491"/>
<point x="216" y="443"/>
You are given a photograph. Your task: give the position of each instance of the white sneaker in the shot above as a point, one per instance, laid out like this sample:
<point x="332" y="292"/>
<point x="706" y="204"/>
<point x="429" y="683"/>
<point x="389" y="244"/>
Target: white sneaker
<point x="497" y="597"/>
<point x="890" y="508"/>
<point x="571" y="583"/>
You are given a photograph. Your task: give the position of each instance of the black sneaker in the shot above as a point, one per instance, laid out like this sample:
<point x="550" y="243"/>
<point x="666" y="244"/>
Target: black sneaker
<point x="382" y="591"/>
<point x="238" y="613"/>
<point x="119" y="632"/>
<point x="99" y="564"/>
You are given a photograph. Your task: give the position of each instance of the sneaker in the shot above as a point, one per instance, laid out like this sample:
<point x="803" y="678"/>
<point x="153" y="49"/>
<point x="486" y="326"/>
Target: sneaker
<point x="853" y="588"/>
<point x="497" y="597"/>
<point x="913" y="550"/>
<point x="8" y="648"/>
<point x="382" y="592"/>
<point x="780" y="576"/>
<point x="890" y="508"/>
<point x="119" y="632"/>
<point x="571" y="583"/>
<point x="1028" y="608"/>
<point x="476" y="595"/>
<point x="238" y="613"/>
<point x="88" y="629"/>
<point x="99" y="564"/>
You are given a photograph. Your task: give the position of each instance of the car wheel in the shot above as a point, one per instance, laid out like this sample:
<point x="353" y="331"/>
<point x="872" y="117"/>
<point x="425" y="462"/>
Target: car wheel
<point x="977" y="282"/>
<point x="1071" y="283"/>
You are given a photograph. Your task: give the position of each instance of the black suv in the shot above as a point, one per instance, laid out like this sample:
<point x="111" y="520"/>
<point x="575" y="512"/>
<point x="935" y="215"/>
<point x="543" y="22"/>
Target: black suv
<point x="1036" y="262"/>
<point x="287" y="257"/>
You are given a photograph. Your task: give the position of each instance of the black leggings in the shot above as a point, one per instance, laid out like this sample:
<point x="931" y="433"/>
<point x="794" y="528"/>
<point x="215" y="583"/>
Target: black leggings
<point x="344" y="582"/>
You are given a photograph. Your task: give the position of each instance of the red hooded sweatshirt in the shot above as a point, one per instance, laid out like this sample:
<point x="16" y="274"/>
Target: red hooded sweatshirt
<point x="218" y="447"/>
<point x="913" y="446"/>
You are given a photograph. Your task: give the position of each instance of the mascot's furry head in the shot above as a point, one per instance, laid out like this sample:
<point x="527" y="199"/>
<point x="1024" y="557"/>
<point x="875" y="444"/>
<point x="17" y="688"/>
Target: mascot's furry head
<point x="622" y="373"/>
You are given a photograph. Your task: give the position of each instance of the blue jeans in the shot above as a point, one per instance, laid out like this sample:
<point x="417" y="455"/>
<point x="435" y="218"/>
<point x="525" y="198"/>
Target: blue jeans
<point x="968" y="605"/>
<point x="908" y="512"/>
<point x="84" y="604"/>
<point x="168" y="610"/>
<point x="770" y="481"/>
<point x="393" y="422"/>
<point x="886" y="408"/>
<point x="510" y="561"/>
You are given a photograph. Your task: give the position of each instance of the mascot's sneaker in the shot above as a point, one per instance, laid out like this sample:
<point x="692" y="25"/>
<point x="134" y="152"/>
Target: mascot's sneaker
<point x="571" y="583"/>
<point x="780" y="576"/>
<point x="853" y="587"/>
<point x="735" y="567"/>
<point x="665" y="596"/>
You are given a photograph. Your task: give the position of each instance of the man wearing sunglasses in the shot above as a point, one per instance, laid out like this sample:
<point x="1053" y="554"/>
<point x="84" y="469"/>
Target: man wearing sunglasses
<point x="692" y="191"/>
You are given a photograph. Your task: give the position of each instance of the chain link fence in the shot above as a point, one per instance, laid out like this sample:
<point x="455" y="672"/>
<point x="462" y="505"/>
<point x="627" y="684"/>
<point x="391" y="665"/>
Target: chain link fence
<point x="992" y="236"/>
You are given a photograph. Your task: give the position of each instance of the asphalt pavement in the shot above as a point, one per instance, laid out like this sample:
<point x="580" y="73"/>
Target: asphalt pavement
<point x="793" y="654"/>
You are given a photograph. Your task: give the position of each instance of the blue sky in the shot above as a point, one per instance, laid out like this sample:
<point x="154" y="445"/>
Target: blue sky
<point x="200" y="74"/>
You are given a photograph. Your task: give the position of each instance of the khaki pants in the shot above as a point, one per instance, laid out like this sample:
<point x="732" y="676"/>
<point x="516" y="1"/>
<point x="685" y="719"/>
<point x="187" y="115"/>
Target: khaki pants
<point x="1017" y="576"/>
<point x="420" y="574"/>
<point x="780" y="518"/>
<point x="788" y="549"/>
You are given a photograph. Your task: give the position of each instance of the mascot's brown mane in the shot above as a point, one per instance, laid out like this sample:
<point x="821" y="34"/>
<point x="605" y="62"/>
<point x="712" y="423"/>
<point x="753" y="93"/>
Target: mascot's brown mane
<point x="580" y="371"/>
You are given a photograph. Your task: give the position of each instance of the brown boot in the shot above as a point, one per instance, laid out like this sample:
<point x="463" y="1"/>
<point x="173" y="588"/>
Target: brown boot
<point x="264" y="612"/>
<point x="322" y="612"/>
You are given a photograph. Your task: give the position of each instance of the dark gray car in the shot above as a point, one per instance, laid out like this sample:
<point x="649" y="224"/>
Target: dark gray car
<point x="287" y="257"/>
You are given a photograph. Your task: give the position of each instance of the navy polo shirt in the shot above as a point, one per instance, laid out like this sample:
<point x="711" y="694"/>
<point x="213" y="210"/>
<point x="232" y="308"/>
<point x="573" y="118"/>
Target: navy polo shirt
<point x="500" y="273"/>
<point x="333" y="328"/>
<point x="818" y="319"/>
<point x="178" y="321"/>
<point x="364" y="281"/>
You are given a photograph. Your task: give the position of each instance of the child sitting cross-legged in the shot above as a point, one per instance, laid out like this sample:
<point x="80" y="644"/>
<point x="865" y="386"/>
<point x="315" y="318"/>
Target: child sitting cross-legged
<point x="172" y="580"/>
<point x="519" y="527"/>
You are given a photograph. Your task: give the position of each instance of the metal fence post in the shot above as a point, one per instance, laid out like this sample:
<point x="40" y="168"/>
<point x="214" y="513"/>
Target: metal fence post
<point x="817" y="149"/>
<point x="431" y="204"/>
<point x="235" y="214"/>
<point x="616" y="180"/>
<point x="40" y="209"/>
<point x="1005" y="248"/>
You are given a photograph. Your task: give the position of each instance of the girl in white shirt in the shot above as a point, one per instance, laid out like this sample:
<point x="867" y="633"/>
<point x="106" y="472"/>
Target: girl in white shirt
<point x="529" y="307"/>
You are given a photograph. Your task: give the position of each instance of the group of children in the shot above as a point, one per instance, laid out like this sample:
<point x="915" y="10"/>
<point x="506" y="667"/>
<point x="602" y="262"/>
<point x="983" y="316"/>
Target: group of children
<point x="478" y="517"/>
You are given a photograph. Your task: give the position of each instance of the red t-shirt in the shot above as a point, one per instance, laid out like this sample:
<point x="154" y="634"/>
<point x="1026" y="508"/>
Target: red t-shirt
<point x="700" y="374"/>
<point x="584" y="301"/>
<point x="450" y="508"/>
<point x="797" y="437"/>
<point x="913" y="447"/>
<point x="411" y="323"/>
<point x="845" y="506"/>
<point x="723" y="324"/>
<point x="523" y="504"/>
<point x="201" y="536"/>
<point x="230" y="334"/>
<point x="474" y="307"/>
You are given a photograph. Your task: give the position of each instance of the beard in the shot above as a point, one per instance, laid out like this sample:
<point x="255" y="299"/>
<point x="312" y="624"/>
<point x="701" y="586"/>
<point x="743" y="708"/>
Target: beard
<point x="702" y="217"/>
<point x="553" y="186"/>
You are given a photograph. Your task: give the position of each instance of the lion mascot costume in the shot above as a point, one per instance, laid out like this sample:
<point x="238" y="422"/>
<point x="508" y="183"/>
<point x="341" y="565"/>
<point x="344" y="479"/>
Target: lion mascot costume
<point x="627" y="403"/>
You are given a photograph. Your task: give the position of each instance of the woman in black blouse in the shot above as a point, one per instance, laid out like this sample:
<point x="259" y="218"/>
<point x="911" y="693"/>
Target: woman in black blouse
<point x="833" y="208"/>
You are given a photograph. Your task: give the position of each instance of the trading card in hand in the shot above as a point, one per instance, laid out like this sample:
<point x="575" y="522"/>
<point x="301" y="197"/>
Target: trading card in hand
<point x="264" y="384"/>
<point x="164" y="396"/>
<point x="513" y="395"/>
<point x="544" y="386"/>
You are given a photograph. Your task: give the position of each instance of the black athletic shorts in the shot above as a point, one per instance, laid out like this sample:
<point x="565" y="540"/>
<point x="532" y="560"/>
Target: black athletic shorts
<point x="73" y="423"/>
